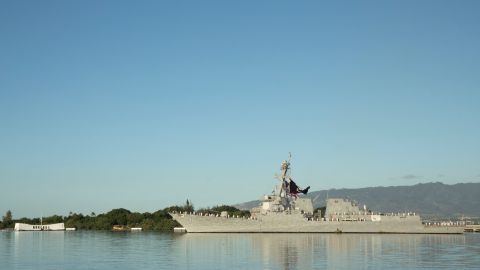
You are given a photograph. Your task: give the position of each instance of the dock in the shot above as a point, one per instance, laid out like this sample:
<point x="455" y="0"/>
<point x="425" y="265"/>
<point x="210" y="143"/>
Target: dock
<point x="472" y="228"/>
<point x="179" y="230"/>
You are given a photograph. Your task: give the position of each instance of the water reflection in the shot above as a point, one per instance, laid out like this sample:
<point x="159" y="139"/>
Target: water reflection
<point x="107" y="250"/>
<point x="326" y="251"/>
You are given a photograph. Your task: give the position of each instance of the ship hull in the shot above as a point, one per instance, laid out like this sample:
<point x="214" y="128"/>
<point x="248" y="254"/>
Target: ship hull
<point x="285" y="223"/>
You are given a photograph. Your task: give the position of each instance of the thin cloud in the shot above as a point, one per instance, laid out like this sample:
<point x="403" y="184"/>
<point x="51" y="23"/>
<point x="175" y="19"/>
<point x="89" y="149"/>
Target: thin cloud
<point x="392" y="179"/>
<point x="411" y="176"/>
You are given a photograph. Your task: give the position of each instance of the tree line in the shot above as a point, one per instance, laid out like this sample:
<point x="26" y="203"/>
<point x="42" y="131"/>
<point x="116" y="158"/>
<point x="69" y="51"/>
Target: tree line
<point x="156" y="221"/>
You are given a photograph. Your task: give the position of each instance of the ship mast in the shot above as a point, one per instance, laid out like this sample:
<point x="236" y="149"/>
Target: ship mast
<point x="283" y="178"/>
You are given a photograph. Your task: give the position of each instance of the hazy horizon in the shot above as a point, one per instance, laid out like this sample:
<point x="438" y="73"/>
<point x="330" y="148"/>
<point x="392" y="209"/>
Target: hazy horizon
<point x="181" y="203"/>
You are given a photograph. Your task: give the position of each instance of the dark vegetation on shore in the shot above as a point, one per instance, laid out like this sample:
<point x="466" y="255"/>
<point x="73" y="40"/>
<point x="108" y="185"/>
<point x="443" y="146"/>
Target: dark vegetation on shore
<point x="156" y="221"/>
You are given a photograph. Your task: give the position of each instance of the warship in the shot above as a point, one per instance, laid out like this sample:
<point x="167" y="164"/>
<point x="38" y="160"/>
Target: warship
<point x="284" y="211"/>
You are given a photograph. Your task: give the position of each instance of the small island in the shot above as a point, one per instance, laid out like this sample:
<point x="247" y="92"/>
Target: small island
<point x="120" y="218"/>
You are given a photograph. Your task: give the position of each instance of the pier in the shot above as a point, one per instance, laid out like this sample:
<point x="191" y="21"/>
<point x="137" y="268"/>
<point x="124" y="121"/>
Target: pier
<point x="472" y="228"/>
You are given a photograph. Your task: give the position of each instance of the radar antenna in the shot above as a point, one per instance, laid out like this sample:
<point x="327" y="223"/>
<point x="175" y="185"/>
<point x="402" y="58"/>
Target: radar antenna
<point x="285" y="167"/>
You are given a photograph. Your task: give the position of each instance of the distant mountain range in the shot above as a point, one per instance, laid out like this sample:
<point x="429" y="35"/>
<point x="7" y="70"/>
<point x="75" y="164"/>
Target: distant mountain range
<point x="429" y="199"/>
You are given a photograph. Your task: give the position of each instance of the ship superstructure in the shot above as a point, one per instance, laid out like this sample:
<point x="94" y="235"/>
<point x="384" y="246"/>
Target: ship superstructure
<point x="284" y="211"/>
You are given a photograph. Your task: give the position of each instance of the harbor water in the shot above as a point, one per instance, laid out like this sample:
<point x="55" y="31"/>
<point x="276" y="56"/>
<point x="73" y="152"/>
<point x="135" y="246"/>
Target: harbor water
<point x="150" y="250"/>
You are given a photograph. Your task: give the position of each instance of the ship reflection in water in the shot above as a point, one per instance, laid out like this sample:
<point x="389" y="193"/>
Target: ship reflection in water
<point x="152" y="251"/>
<point x="331" y="251"/>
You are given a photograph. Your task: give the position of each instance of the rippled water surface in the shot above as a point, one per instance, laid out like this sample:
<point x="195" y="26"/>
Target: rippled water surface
<point x="144" y="250"/>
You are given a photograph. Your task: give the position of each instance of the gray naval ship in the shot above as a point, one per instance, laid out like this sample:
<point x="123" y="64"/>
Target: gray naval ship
<point x="285" y="212"/>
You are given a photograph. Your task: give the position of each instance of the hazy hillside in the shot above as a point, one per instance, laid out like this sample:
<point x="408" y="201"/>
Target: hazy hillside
<point x="430" y="199"/>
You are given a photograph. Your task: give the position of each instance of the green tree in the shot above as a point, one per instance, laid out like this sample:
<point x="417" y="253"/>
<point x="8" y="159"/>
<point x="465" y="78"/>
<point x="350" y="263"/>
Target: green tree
<point x="187" y="207"/>
<point x="118" y="216"/>
<point x="134" y="219"/>
<point x="158" y="221"/>
<point x="7" y="219"/>
<point x="53" y="219"/>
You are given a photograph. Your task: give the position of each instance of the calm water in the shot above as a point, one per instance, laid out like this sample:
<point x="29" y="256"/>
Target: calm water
<point x="143" y="250"/>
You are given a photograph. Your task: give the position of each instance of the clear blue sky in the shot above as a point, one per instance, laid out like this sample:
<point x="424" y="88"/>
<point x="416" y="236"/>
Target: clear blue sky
<point x="107" y="104"/>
